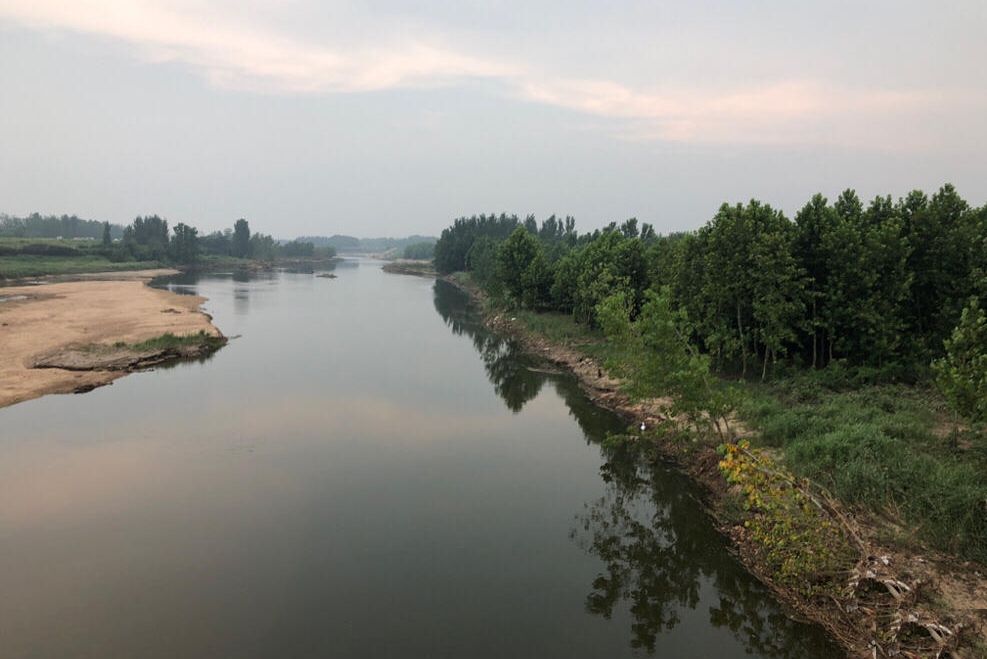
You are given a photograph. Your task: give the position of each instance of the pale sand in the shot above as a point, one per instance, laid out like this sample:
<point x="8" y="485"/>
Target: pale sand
<point x="101" y="310"/>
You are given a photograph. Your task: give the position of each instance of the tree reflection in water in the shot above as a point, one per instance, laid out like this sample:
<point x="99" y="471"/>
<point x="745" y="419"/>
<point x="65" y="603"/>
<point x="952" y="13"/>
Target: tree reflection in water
<point x="661" y="553"/>
<point x="506" y="366"/>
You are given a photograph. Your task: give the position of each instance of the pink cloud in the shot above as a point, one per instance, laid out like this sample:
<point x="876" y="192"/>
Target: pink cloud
<point x="238" y="57"/>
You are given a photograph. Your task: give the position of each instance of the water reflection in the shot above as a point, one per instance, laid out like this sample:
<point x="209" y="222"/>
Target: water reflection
<point x="661" y="554"/>
<point x="507" y="367"/>
<point x="663" y="559"/>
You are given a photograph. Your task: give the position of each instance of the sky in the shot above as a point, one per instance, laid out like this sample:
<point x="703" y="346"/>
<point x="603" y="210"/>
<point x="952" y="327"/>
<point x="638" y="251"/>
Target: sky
<point x="314" y="117"/>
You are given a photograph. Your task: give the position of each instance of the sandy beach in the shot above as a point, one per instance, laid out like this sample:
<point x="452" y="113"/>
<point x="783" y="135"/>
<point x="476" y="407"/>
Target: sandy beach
<point x="39" y="320"/>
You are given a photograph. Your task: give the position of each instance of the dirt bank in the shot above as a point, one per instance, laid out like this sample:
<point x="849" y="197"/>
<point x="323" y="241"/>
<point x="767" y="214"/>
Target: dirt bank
<point x="73" y="336"/>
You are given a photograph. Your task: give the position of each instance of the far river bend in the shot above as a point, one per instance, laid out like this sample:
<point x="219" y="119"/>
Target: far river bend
<point x="364" y="472"/>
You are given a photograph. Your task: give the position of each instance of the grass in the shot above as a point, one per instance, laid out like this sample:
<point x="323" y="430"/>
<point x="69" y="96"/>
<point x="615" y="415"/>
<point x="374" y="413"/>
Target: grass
<point x="35" y="257"/>
<point x="883" y="448"/>
<point x="15" y="267"/>
<point x="171" y="341"/>
<point x="563" y="329"/>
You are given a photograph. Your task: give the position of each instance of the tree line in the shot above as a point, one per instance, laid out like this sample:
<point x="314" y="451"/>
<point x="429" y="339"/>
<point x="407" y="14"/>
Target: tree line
<point x="36" y="225"/>
<point x="344" y="244"/>
<point x="147" y="238"/>
<point x="879" y="286"/>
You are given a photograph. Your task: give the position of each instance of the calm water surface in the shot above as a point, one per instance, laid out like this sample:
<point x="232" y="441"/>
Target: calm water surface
<point x="364" y="472"/>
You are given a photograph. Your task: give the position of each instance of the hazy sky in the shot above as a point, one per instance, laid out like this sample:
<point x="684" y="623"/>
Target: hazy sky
<point x="388" y="117"/>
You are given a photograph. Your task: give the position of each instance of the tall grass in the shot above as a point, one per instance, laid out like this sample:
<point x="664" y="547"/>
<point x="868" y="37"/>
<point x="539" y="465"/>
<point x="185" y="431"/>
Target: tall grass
<point x="169" y="341"/>
<point x="877" y="447"/>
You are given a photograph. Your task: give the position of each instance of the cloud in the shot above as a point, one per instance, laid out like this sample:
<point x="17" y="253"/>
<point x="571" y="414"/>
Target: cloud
<point x="240" y="57"/>
<point x="780" y="113"/>
<point x="244" y="58"/>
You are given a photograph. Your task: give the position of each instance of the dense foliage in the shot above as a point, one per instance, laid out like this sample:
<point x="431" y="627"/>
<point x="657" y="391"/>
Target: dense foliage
<point x="962" y="373"/>
<point x="655" y="356"/>
<point x="879" y="286"/>
<point x="419" y="251"/>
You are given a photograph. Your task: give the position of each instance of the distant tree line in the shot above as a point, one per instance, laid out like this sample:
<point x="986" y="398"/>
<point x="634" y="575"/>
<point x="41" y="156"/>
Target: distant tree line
<point x="147" y="238"/>
<point x="878" y="286"/>
<point x="368" y="245"/>
<point x="36" y="225"/>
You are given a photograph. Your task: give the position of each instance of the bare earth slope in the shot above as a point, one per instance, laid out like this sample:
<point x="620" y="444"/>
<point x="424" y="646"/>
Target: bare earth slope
<point x="37" y="322"/>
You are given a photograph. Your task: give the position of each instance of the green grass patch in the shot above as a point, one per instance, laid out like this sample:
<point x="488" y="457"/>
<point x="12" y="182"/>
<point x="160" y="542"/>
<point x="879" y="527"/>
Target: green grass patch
<point x="883" y="448"/>
<point x="562" y="329"/>
<point x="15" y="267"/>
<point x="171" y="341"/>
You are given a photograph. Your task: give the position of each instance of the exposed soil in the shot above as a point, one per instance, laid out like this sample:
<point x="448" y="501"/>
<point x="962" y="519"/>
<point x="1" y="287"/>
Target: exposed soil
<point x="60" y="337"/>
<point x="905" y="602"/>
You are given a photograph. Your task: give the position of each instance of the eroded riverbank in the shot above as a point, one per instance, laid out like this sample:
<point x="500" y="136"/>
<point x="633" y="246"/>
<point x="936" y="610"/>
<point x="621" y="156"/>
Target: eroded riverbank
<point x="73" y="336"/>
<point x="890" y="598"/>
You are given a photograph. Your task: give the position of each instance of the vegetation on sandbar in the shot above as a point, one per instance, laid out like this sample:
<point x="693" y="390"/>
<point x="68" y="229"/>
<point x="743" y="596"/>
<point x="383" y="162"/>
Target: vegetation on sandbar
<point x="169" y="341"/>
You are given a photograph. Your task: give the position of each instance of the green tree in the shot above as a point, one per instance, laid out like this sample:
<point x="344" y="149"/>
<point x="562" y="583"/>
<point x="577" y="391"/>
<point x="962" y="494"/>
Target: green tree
<point x="107" y="239"/>
<point x="147" y="238"/>
<point x="261" y="247"/>
<point x="886" y="259"/>
<point x="522" y="268"/>
<point x="419" y="251"/>
<point x="240" y="246"/>
<point x="939" y="235"/>
<point x="481" y="261"/>
<point x="455" y="242"/>
<point x="607" y="264"/>
<point x="962" y="373"/>
<point x="814" y="223"/>
<point x="657" y="359"/>
<point x="778" y="286"/>
<point x="184" y="247"/>
<point x="297" y="248"/>
<point x="730" y="277"/>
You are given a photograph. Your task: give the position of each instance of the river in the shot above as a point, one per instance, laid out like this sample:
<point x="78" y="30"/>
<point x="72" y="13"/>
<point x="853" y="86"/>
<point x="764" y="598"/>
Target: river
<point x="363" y="471"/>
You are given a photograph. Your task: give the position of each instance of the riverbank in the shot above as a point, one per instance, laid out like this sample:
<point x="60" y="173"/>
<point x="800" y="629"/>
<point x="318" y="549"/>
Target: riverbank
<point x="410" y="267"/>
<point x="57" y="258"/>
<point x="882" y="597"/>
<point x="73" y="336"/>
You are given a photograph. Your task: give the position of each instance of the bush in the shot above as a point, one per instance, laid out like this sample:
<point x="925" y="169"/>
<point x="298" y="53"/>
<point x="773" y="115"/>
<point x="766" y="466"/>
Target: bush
<point x="962" y="373"/>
